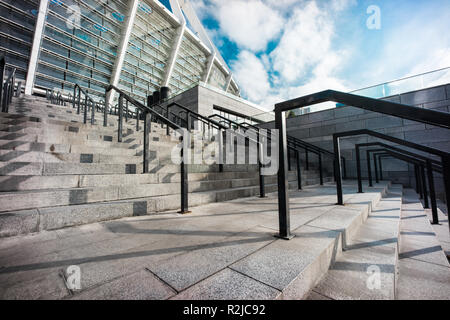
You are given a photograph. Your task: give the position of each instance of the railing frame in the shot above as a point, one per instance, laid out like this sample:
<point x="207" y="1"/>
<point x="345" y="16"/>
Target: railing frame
<point x="431" y="117"/>
<point x="150" y="113"/>
<point x="7" y="88"/>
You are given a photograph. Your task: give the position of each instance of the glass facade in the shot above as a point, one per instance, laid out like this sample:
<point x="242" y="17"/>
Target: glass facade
<point x="148" y="52"/>
<point x="81" y="41"/>
<point x="79" y="44"/>
<point x="17" y="24"/>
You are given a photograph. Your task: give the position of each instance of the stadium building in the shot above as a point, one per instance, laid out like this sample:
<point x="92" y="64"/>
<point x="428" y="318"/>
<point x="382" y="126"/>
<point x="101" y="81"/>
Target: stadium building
<point x="137" y="45"/>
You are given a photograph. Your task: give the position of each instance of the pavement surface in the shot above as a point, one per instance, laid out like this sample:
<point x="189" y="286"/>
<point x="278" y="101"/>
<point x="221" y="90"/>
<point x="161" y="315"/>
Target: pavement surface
<point x="220" y="251"/>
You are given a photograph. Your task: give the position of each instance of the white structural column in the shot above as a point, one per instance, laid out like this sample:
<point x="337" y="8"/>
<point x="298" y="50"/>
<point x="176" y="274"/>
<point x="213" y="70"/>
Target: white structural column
<point x="122" y="49"/>
<point x="176" y="9"/>
<point x="209" y="65"/>
<point x="37" y="39"/>
<point x="227" y="85"/>
<point x="174" y="54"/>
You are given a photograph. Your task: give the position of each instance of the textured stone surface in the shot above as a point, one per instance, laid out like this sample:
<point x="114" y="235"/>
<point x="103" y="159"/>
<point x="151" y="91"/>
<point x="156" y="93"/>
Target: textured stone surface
<point x="228" y="285"/>
<point x="138" y="286"/>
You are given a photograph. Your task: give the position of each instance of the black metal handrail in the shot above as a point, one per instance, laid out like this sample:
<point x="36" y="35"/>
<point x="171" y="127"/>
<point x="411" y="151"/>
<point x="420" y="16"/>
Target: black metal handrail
<point x="445" y="157"/>
<point x="381" y="144"/>
<point x="293" y="144"/>
<point x="149" y="114"/>
<point x="419" y="161"/>
<point x="214" y="124"/>
<point x="88" y="102"/>
<point x="168" y="114"/>
<point x="431" y="117"/>
<point x="7" y="88"/>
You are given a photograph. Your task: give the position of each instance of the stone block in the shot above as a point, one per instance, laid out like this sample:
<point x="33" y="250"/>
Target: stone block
<point x="424" y="96"/>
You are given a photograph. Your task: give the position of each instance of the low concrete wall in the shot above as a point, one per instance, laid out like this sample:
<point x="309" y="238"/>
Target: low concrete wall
<point x="317" y="128"/>
<point x="202" y="100"/>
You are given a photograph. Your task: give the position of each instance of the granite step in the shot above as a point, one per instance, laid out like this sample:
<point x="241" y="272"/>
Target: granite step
<point x="367" y="268"/>
<point x="14" y="223"/>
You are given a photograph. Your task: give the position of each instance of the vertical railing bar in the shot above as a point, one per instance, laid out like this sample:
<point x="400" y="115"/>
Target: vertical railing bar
<point x="424" y="187"/>
<point x="147" y="131"/>
<point x="299" y="170"/>
<point x="369" y="169"/>
<point x="375" y="165"/>
<point x="120" y="124"/>
<point x="358" y="168"/>
<point x="337" y="160"/>
<point x="321" y="169"/>
<point x="434" y="211"/>
<point x="283" y="191"/>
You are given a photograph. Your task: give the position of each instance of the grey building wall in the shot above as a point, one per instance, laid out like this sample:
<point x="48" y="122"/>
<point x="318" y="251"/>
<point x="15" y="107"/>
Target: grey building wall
<point x="317" y="128"/>
<point x="202" y="100"/>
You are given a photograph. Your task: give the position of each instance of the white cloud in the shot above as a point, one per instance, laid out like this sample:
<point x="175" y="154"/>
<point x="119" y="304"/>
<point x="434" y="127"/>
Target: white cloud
<point x="251" y="75"/>
<point x="250" y="24"/>
<point x="305" y="42"/>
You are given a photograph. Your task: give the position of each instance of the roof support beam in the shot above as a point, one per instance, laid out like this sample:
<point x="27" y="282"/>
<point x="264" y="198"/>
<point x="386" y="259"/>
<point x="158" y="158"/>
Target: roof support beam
<point x="174" y="54"/>
<point x="122" y="49"/>
<point x="209" y="65"/>
<point x="228" y="79"/>
<point x="37" y="40"/>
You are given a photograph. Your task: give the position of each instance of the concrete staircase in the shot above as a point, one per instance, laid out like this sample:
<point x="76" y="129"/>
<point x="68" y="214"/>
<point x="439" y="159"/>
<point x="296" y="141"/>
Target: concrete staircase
<point x="57" y="172"/>
<point x="394" y="255"/>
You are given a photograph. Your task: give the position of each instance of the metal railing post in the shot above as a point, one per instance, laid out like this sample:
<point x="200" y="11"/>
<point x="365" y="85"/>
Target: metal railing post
<point x="289" y="159"/>
<point x="2" y="76"/>
<point x="188" y="122"/>
<point x="416" y="175"/>
<point x="19" y="89"/>
<point x="221" y="157"/>
<point x="419" y="182"/>
<point x="337" y="159"/>
<point x="321" y="169"/>
<point x="184" y="181"/>
<point x="137" y="119"/>
<point x="120" y="124"/>
<point x="375" y="164"/>
<point x="358" y="168"/>
<point x="299" y="171"/>
<point x="424" y="186"/>
<point x="74" y="96"/>
<point x="85" y="108"/>
<point x="306" y="160"/>
<point x="369" y="169"/>
<point x="283" y="192"/>
<point x="79" y="101"/>
<point x="93" y="106"/>
<point x="380" y="166"/>
<point x="446" y="173"/>
<point x="167" y="127"/>
<point x="344" y="167"/>
<point x="434" y="211"/>
<point x="126" y="111"/>
<point x="262" y="191"/>
<point x="147" y="130"/>
<point x="105" y="112"/>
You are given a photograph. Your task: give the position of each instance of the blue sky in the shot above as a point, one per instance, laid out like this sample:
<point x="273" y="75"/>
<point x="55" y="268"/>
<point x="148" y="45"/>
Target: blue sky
<point x="282" y="49"/>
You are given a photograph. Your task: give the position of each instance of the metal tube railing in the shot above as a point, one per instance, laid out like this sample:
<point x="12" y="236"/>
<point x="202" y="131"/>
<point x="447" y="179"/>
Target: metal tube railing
<point x="149" y="114"/>
<point x="430" y="117"/>
<point x="7" y="88"/>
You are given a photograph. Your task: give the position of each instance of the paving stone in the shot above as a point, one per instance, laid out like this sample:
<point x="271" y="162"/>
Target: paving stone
<point x="228" y="285"/>
<point x="187" y="269"/>
<point x="293" y="263"/>
<point x="422" y="281"/>
<point x="349" y="277"/>
<point x="141" y="285"/>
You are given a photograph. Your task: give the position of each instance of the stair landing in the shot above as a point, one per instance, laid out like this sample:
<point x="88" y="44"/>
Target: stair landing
<point x="220" y="251"/>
